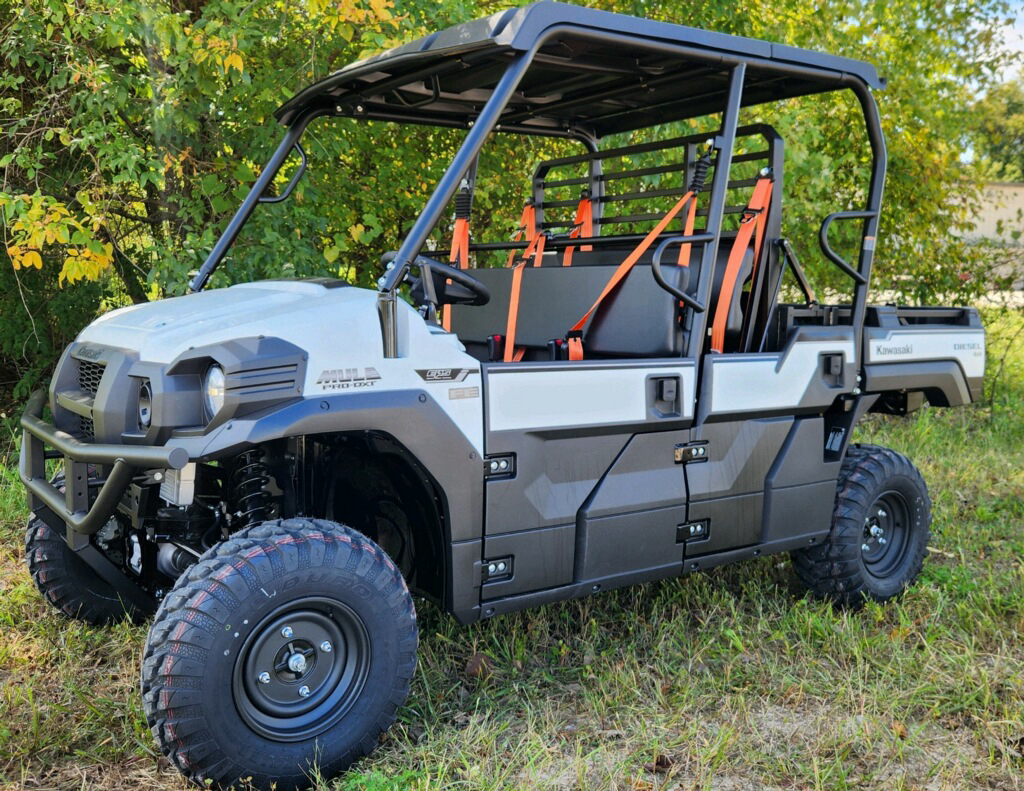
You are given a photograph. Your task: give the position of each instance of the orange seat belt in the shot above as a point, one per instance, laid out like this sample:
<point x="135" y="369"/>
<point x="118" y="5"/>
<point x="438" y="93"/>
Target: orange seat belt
<point x="460" y="243"/>
<point x="700" y="176"/>
<point x="534" y="249"/>
<point x="752" y="224"/>
<point x="582" y="225"/>
<point x="513" y="315"/>
<point x="575" y="335"/>
<point x="691" y="218"/>
<point x="527" y="229"/>
<point x="459" y="254"/>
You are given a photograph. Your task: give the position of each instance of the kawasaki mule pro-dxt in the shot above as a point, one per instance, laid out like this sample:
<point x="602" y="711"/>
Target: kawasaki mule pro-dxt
<point x="273" y="467"/>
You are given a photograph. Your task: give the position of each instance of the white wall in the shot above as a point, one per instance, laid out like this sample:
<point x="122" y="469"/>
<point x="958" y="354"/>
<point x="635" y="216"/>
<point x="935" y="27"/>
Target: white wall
<point x="1002" y="210"/>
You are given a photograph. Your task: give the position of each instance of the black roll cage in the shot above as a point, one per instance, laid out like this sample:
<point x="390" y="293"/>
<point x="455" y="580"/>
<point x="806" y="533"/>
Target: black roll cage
<point x="489" y="118"/>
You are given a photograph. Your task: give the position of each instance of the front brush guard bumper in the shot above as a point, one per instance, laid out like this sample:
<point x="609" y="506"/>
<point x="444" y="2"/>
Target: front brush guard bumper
<point x="72" y="507"/>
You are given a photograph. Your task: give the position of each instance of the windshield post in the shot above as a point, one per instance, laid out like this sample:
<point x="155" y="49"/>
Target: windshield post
<point x="479" y="130"/>
<point x="227" y="238"/>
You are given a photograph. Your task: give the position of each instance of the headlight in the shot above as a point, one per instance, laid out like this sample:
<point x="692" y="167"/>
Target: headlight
<point x="145" y="404"/>
<point x="213" y="390"/>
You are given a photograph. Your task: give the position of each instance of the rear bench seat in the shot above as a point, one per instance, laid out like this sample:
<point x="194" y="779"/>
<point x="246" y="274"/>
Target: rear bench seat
<point x="638" y="319"/>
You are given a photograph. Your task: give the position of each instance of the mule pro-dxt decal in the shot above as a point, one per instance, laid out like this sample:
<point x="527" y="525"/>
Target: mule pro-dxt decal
<point x="348" y="378"/>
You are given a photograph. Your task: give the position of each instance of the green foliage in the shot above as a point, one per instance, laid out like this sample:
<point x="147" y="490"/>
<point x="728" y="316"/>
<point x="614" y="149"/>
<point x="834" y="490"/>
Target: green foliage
<point x="129" y="132"/>
<point x="1000" y="133"/>
<point x="37" y="320"/>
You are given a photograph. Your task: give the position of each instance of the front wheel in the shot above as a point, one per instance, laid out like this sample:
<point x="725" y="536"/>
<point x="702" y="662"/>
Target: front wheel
<point x="285" y="650"/>
<point x="880" y="530"/>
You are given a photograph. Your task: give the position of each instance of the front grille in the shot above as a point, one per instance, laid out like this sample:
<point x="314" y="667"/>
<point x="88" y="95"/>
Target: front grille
<point x="86" y="428"/>
<point x="89" y="375"/>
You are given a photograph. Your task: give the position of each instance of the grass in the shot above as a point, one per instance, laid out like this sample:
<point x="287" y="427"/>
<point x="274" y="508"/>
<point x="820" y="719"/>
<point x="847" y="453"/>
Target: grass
<point x="729" y="679"/>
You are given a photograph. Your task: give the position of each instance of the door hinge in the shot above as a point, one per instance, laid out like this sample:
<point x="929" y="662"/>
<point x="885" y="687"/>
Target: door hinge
<point x="693" y="531"/>
<point x="691" y="452"/>
<point x="497" y="569"/>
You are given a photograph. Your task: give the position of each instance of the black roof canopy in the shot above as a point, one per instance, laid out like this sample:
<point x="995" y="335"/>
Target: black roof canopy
<point x="595" y="72"/>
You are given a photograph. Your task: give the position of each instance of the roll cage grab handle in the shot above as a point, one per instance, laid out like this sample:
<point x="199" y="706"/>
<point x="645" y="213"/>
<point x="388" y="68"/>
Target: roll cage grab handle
<point x="489" y="116"/>
<point x="280" y="156"/>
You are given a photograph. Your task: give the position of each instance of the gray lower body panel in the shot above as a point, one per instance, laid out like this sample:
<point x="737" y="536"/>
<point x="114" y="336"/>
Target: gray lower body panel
<point x="539" y="559"/>
<point x="942" y="381"/>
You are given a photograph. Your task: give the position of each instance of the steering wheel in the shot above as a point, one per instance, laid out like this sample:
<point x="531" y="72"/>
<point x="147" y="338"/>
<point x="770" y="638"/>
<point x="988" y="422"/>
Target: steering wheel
<point x="463" y="290"/>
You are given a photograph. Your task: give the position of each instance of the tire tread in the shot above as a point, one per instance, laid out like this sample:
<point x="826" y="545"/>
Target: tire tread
<point x="68" y="584"/>
<point x="833" y="569"/>
<point x="184" y="618"/>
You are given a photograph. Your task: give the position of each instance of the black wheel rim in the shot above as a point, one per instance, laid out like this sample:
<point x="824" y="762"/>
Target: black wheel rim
<point x="301" y="668"/>
<point x="887" y="529"/>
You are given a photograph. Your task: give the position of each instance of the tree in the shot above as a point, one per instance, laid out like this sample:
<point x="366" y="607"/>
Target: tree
<point x="129" y="131"/>
<point x="999" y="140"/>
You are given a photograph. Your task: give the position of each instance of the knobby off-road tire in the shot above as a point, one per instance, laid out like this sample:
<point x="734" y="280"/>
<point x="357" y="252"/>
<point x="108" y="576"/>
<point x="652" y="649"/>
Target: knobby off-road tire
<point x="223" y="688"/>
<point x="880" y="530"/>
<point x="68" y="583"/>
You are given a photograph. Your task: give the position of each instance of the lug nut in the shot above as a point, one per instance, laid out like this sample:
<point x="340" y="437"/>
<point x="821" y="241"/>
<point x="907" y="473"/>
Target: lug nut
<point x="287" y="633"/>
<point x="882" y="513"/>
<point x="865" y="548"/>
<point x="303" y="691"/>
<point x="326" y="647"/>
<point x="881" y="541"/>
<point x="264" y="678"/>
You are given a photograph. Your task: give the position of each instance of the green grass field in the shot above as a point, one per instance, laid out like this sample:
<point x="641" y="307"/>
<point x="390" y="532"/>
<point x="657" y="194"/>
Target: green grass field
<point x="729" y="679"/>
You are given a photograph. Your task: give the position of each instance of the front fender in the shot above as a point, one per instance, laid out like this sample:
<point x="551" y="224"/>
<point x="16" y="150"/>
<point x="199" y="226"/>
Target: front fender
<point x="412" y="417"/>
<point x="416" y="421"/>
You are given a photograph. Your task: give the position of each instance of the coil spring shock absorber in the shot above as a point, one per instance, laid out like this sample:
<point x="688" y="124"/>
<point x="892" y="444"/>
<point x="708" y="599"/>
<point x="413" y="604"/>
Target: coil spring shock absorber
<point x="248" y="487"/>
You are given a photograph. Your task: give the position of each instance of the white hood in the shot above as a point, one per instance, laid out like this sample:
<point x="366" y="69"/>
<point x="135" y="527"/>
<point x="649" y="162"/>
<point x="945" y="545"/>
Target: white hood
<point x="299" y="312"/>
<point x="339" y="328"/>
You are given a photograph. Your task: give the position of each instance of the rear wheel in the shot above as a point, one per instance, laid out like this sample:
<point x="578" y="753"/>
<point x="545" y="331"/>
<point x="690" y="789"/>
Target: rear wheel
<point x="880" y="530"/>
<point x="285" y="649"/>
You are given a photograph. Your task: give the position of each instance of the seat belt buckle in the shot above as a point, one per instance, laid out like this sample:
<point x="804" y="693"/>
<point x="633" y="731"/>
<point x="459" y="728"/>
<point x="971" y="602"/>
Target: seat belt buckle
<point x="558" y="349"/>
<point x="749" y="214"/>
<point x="574" y="344"/>
<point x="496" y="348"/>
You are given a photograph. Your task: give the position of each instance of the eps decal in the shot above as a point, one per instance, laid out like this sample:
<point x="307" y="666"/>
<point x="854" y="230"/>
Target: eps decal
<point x="445" y="374"/>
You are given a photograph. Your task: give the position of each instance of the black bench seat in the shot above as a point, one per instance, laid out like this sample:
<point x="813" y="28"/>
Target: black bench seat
<point x="638" y="319"/>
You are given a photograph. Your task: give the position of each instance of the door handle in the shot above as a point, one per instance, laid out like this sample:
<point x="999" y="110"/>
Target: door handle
<point x="663" y="395"/>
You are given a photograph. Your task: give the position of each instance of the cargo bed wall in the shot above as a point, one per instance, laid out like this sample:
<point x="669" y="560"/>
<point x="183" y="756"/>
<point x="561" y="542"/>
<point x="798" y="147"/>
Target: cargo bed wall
<point x="911" y="355"/>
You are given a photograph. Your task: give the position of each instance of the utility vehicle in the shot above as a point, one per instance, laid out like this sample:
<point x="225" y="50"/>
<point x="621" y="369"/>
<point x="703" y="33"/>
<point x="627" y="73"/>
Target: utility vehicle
<point x="272" y="468"/>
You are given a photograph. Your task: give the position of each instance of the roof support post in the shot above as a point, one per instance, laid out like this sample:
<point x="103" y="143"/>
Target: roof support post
<point x="724" y="142"/>
<point x="874" y="206"/>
